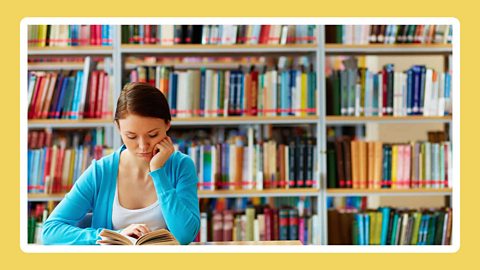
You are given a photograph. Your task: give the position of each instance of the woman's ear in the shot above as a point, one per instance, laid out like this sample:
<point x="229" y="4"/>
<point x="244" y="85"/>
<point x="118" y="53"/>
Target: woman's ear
<point x="168" y="125"/>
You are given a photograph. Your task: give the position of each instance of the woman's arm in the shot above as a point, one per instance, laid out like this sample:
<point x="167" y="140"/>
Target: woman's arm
<point x="60" y="229"/>
<point x="179" y="204"/>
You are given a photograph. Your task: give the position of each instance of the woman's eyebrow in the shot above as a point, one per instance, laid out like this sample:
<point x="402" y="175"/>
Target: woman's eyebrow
<point x="147" y="132"/>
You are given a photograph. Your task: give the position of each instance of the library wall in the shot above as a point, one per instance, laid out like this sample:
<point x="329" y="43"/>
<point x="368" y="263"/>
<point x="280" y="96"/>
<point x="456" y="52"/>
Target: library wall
<point x="398" y="133"/>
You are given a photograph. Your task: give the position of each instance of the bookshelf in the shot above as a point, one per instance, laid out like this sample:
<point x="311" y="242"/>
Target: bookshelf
<point x="39" y="197"/>
<point x="244" y="120"/>
<point x="353" y="120"/>
<point x="395" y="50"/>
<point x="317" y="52"/>
<point x="391" y="49"/>
<point x="217" y="49"/>
<point x="293" y="192"/>
<point x="67" y="123"/>
<point x="341" y="192"/>
<point x="79" y="50"/>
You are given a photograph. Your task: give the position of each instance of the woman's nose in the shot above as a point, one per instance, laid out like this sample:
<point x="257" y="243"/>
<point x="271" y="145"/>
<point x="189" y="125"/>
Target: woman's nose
<point x="144" y="145"/>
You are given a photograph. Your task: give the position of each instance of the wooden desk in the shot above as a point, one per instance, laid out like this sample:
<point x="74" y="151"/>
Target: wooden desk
<point x="265" y="243"/>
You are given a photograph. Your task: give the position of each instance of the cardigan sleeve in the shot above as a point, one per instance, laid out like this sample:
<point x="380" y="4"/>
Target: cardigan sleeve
<point x="59" y="228"/>
<point x="179" y="203"/>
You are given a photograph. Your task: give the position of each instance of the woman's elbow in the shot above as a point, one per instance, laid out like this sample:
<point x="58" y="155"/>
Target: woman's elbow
<point x="189" y="234"/>
<point x="48" y="236"/>
<point x="186" y="239"/>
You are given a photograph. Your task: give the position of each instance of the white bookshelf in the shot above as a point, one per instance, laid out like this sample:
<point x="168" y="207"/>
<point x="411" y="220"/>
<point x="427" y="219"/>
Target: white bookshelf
<point x="317" y="52"/>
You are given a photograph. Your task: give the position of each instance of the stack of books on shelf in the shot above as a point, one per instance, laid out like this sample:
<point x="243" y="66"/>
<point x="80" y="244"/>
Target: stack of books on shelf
<point x="388" y="34"/>
<point x="37" y="215"/>
<point x="218" y="34"/>
<point x="355" y="91"/>
<point x="85" y="93"/>
<point x="210" y="93"/>
<point x="241" y="163"/>
<point x="69" y="35"/>
<point x="260" y="222"/>
<point x="390" y="226"/>
<point x="373" y="164"/>
<point x="56" y="160"/>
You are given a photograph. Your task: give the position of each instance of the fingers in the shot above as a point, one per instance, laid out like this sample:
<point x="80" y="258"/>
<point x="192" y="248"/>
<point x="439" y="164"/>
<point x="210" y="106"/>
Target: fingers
<point x="137" y="230"/>
<point x="156" y="149"/>
<point x="164" y="145"/>
<point x="136" y="233"/>
<point x="144" y="228"/>
<point x="167" y="143"/>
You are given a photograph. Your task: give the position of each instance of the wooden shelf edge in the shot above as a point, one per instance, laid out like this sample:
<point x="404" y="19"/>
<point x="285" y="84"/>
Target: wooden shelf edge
<point x="389" y="118"/>
<point x="68" y="48"/>
<point x="214" y="46"/>
<point x="345" y="120"/>
<point x="382" y="46"/>
<point x="265" y="191"/>
<point x="210" y="193"/>
<point x="70" y="121"/>
<point x="387" y="191"/>
<point x="244" y="118"/>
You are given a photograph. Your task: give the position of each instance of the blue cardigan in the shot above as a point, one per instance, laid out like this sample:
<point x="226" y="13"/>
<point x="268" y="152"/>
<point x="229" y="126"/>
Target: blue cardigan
<point x="175" y="184"/>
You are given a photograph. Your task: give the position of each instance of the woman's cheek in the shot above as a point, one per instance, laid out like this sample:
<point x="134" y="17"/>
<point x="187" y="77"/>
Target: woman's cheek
<point x="129" y="143"/>
<point x="159" y="139"/>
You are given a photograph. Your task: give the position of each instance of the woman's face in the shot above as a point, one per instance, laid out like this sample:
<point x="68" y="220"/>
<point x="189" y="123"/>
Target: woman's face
<point x="140" y="134"/>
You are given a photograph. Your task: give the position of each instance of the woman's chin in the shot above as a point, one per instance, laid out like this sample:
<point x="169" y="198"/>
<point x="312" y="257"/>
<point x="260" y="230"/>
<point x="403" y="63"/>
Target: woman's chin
<point x="147" y="158"/>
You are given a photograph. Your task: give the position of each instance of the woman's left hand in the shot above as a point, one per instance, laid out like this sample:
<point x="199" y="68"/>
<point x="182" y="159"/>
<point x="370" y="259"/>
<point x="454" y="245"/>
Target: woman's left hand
<point x="161" y="153"/>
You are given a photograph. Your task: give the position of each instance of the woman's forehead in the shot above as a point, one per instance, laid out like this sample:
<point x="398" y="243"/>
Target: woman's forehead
<point x="135" y="123"/>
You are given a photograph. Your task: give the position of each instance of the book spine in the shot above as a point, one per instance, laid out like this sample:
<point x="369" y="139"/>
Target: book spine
<point x="284" y="224"/>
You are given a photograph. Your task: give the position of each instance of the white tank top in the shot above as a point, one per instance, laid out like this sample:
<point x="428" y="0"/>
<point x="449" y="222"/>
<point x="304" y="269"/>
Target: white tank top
<point x="151" y="215"/>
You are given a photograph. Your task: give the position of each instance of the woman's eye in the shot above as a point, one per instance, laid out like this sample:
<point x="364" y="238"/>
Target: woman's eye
<point x="131" y="137"/>
<point x="153" y="136"/>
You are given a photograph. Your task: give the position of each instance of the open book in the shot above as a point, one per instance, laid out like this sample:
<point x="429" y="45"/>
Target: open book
<point x="158" y="237"/>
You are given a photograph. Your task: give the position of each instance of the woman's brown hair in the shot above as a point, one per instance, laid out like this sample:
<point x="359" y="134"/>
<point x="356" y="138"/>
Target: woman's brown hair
<point x="143" y="100"/>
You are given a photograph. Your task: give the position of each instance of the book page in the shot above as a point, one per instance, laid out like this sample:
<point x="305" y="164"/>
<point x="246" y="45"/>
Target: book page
<point x="161" y="236"/>
<point x="114" y="238"/>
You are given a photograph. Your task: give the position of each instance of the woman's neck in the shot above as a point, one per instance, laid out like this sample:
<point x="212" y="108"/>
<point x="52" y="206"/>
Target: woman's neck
<point x="136" y="166"/>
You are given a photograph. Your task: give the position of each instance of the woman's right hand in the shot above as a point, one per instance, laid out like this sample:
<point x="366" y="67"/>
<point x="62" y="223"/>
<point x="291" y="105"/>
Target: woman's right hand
<point x="135" y="230"/>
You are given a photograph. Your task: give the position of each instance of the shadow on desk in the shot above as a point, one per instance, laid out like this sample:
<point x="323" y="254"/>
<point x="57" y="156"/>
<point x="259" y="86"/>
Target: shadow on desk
<point x="265" y="243"/>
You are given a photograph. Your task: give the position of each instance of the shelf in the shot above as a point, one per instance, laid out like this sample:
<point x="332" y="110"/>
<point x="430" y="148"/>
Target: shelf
<point x="67" y="123"/>
<point x="194" y="121"/>
<point x="244" y="120"/>
<point x="193" y="65"/>
<point x="46" y="66"/>
<point x="56" y="66"/>
<point x="342" y="120"/>
<point x="342" y="49"/>
<point x="217" y="49"/>
<point x="292" y="192"/>
<point x="40" y="197"/>
<point x="342" y="192"/>
<point x="71" y="50"/>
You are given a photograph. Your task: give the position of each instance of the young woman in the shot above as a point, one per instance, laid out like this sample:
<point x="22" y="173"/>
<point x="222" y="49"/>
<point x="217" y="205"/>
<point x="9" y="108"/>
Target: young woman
<point x="143" y="186"/>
